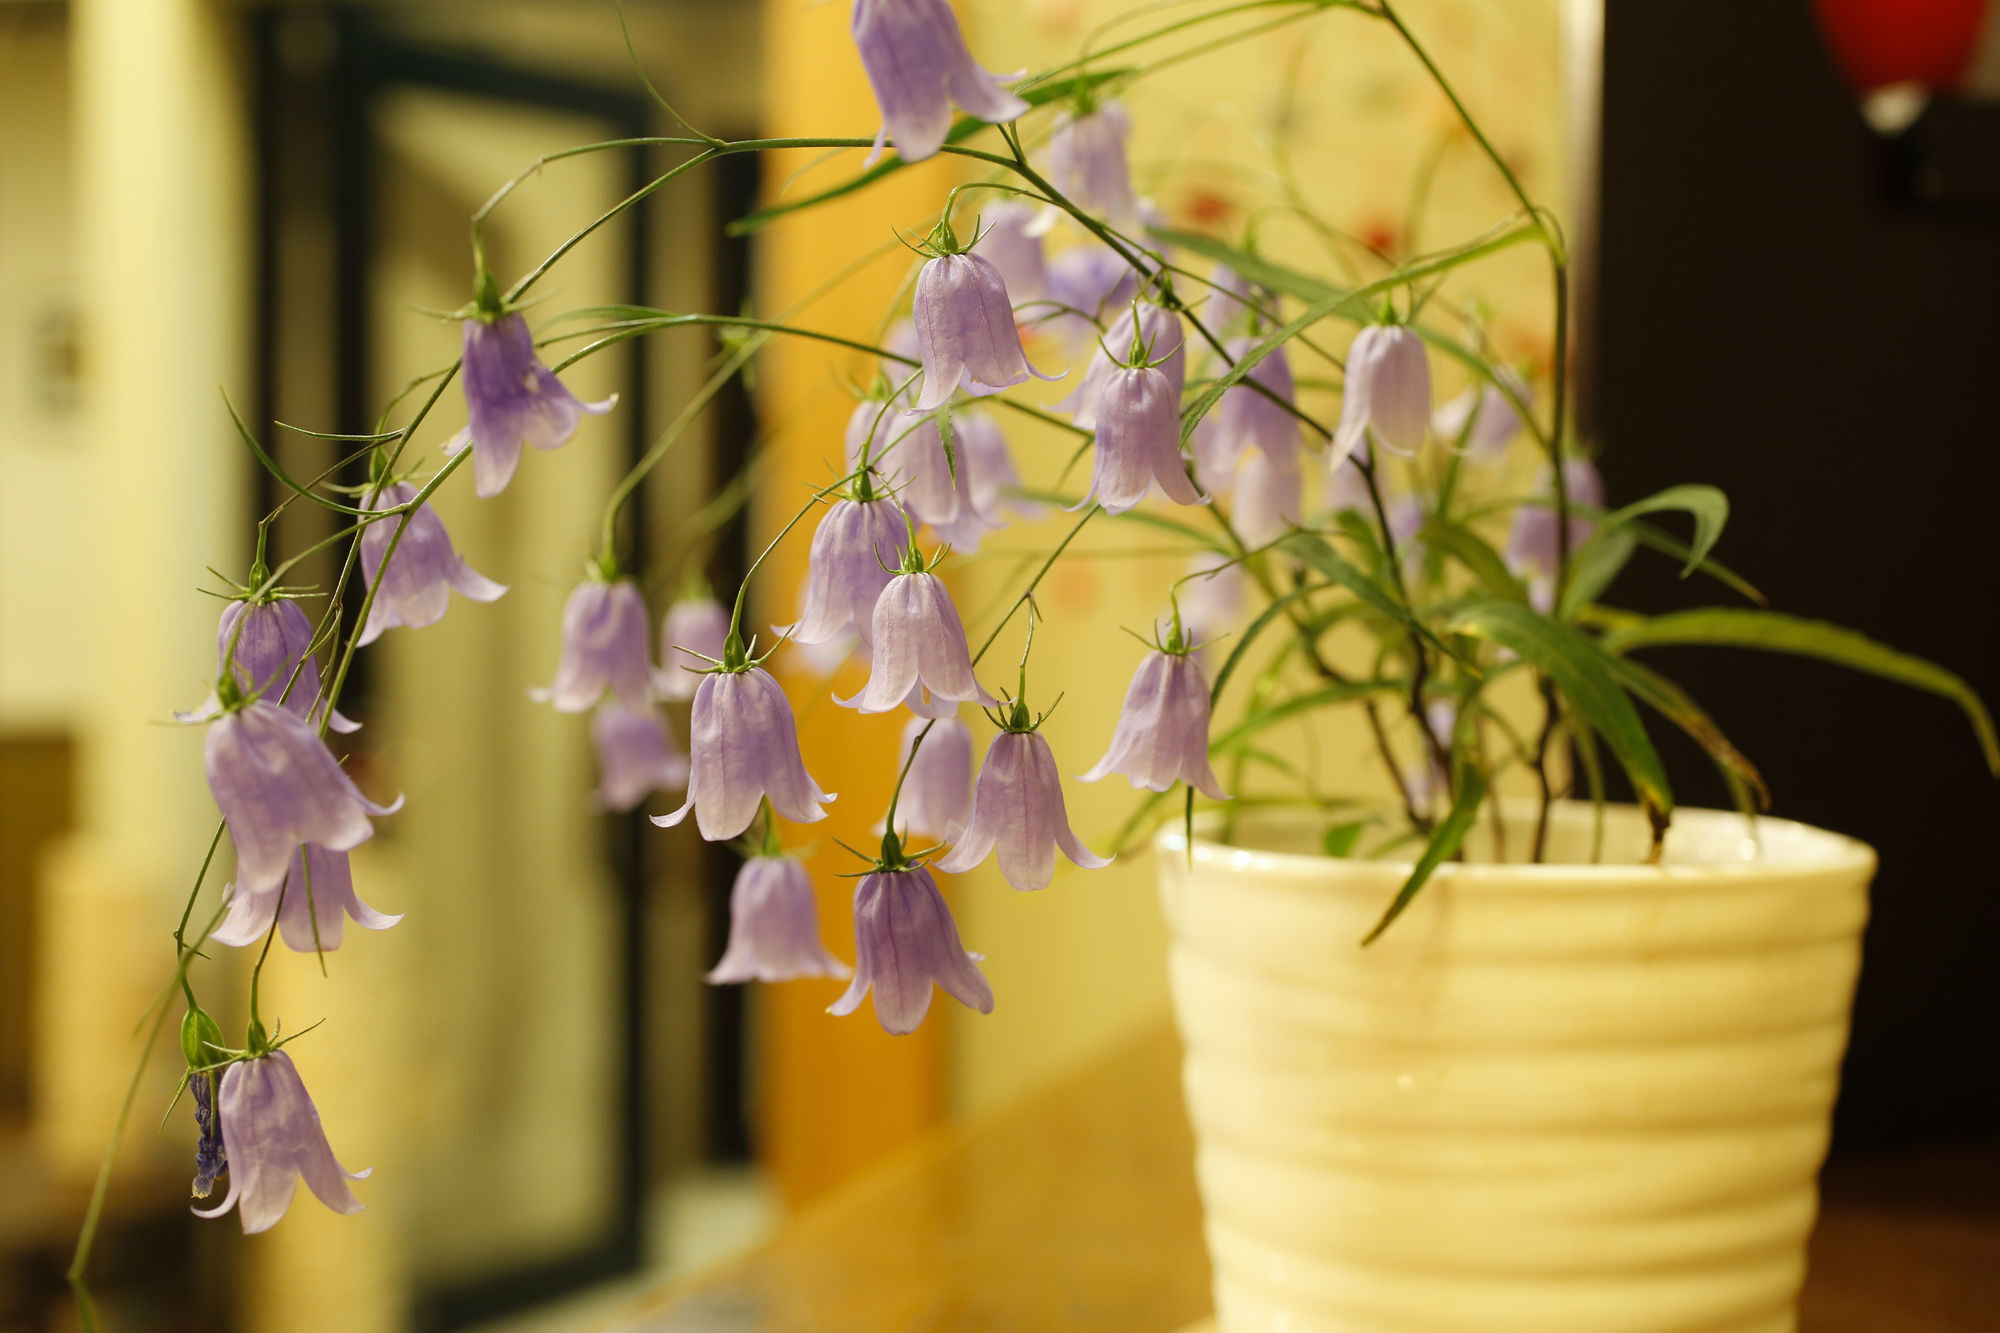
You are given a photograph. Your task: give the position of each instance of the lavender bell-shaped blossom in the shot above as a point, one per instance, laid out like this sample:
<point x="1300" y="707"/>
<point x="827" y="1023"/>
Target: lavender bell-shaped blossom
<point x="317" y="892"/>
<point x="1017" y="808"/>
<point x="918" y="643"/>
<point x="1162" y="337"/>
<point x="742" y="747"/>
<point x="691" y="639"/>
<point x="1087" y="162"/>
<point x="904" y="939"/>
<point x="1139" y="442"/>
<point x="1162" y="732"/>
<point x="1269" y="499"/>
<point x="1484" y="417"/>
<point x="855" y="552"/>
<point x="986" y="475"/>
<point x="272" y="1135"/>
<point x="919" y="473"/>
<point x="965" y="329"/>
<point x="636" y="755"/>
<point x="918" y="65"/>
<point x="937" y="793"/>
<point x="1230" y="300"/>
<point x="606" y="645"/>
<point x="773" y="926"/>
<point x="416" y="589"/>
<point x="272" y="653"/>
<point x="1093" y="278"/>
<point x="1007" y="239"/>
<point x="1531" y="541"/>
<point x="1214" y="469"/>
<point x="279" y="788"/>
<point x="1248" y="419"/>
<point x="1388" y="391"/>
<point x="511" y="399"/>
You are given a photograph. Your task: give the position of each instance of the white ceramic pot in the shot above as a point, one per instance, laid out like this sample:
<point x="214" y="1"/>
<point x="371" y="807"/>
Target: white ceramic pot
<point x="1561" y="1098"/>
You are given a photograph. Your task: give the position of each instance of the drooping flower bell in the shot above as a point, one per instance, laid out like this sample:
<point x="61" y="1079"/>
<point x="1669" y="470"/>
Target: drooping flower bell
<point x="1138" y="428"/>
<point x="919" y="647"/>
<point x="986" y="476"/>
<point x="1387" y="393"/>
<point x="936" y="799"/>
<point x="743" y="746"/>
<point x="965" y="325"/>
<point x="1232" y="300"/>
<point x="1018" y="810"/>
<point x="317" y="893"/>
<point x="905" y="939"/>
<point x="773" y="926"/>
<point x="1162" y="732"/>
<point x="273" y="655"/>
<point x="1009" y="239"/>
<point x="918" y="65"/>
<point x="1532" y="539"/>
<point x="416" y="588"/>
<point x="914" y="468"/>
<point x="511" y="398"/>
<point x="691" y="638"/>
<point x="1485" y="418"/>
<point x="636" y="755"/>
<point x="855" y="552"/>
<point x="1248" y="419"/>
<point x="279" y="788"/>
<point x="1158" y="331"/>
<point x="1270" y="497"/>
<point x="606" y="645"/>
<point x="1087" y="163"/>
<point x="272" y="1135"/>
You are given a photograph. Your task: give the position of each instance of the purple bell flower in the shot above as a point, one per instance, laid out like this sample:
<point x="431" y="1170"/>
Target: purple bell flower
<point x="1087" y="163"/>
<point x="1388" y="391"/>
<point x="1138" y="442"/>
<point x="1230" y="301"/>
<point x="744" y="746"/>
<point x="605" y="646"/>
<point x="1488" y="433"/>
<point x="1164" y="339"/>
<point x="986" y="474"/>
<point x="1531" y="541"/>
<point x="855" y="552"/>
<point x="691" y="639"/>
<point x="1269" y="498"/>
<point x="904" y="939"/>
<point x="1093" y="278"/>
<point x="271" y="1133"/>
<point x="773" y="926"/>
<point x="1018" y="809"/>
<point x="917" y="471"/>
<point x="423" y="571"/>
<point x="965" y="329"/>
<point x="937" y="795"/>
<point x="279" y="788"/>
<point x="636" y="754"/>
<point x="512" y="399"/>
<point x="918" y="643"/>
<point x="917" y="64"/>
<point x="319" y="885"/>
<point x="1247" y="419"/>
<point x="272" y="652"/>
<point x="1009" y="239"/>
<point x="1162" y="732"/>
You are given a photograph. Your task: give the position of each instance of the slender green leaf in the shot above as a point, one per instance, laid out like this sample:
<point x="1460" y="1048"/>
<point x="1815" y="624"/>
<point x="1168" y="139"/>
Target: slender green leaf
<point x="1672" y="702"/>
<point x="1668" y="544"/>
<point x="1443" y="845"/>
<point x="1341" y="838"/>
<point x="1477" y="555"/>
<point x="1304" y="703"/>
<point x="1708" y="505"/>
<point x="1336" y="568"/>
<point x="1597" y="564"/>
<point x="1773" y="631"/>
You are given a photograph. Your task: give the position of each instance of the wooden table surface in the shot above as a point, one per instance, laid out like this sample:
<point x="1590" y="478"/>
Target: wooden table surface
<point x="1076" y="1210"/>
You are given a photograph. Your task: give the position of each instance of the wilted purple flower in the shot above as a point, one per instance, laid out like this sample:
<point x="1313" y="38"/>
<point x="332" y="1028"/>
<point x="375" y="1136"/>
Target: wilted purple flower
<point x="1487" y="434"/>
<point x="318" y="885"/>
<point x="512" y="399"/>
<point x="636" y="755"/>
<point x="1161" y="337"/>
<point x="773" y="926"/>
<point x="1093" y="278"/>
<point x="605" y="646"/>
<point x="744" y="746"/>
<point x="1247" y="419"/>
<point x="422" y="572"/>
<point x="1087" y="163"/>
<point x="280" y="788"/>
<point x="1269" y="497"/>
<point x="917" y="64"/>
<point x="904" y="939"/>
<point x="691" y="639"/>
<point x="855" y="552"/>
<point x="986" y="474"/>
<point x="937" y="793"/>
<point x="917" y="641"/>
<point x="209" y="1154"/>
<point x="965" y="329"/>
<point x="1531" y="542"/>
<point x="1388" y="391"/>
<point x="271" y="1132"/>
<point x="1138" y="442"/>
<point x="272" y="652"/>
<point x="1162" y="732"/>
<point x="1018" y="808"/>
<point x="1009" y="239"/>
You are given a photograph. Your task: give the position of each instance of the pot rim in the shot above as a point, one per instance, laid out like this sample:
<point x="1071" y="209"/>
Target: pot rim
<point x="1811" y="851"/>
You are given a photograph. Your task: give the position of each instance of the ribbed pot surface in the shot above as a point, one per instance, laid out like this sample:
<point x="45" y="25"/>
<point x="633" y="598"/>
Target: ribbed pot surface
<point x="1565" y="1098"/>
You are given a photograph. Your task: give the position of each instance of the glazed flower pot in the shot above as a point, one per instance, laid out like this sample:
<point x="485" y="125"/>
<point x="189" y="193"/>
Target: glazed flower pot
<point x="1558" y="1098"/>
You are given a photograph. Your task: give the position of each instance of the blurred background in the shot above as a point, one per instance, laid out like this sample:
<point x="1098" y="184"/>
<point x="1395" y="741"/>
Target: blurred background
<point x="1789" y="217"/>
